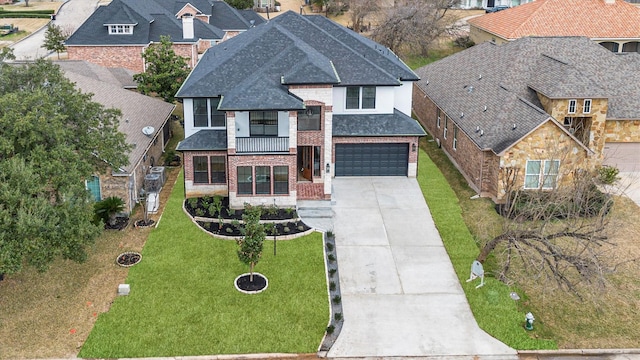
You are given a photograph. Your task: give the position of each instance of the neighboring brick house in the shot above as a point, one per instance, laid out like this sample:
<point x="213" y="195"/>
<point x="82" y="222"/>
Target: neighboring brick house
<point x="543" y="107"/>
<point x="275" y="113"/>
<point x="614" y="24"/>
<point x="117" y="34"/>
<point x="138" y="111"/>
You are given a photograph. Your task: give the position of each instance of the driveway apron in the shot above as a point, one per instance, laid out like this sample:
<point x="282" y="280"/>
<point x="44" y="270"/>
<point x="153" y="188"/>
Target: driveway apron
<point x="400" y="294"/>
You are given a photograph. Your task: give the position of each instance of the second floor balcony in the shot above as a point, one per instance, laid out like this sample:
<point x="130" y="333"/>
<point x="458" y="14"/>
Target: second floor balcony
<point x="262" y="144"/>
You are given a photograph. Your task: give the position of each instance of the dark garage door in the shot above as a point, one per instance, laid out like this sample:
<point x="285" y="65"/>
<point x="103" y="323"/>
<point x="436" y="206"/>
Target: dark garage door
<point x="372" y="159"/>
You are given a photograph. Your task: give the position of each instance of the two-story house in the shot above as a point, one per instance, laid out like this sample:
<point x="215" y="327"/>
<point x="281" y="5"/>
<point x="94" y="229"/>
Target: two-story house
<point x="530" y="113"/>
<point x="117" y="34"/>
<point x="274" y="113"/>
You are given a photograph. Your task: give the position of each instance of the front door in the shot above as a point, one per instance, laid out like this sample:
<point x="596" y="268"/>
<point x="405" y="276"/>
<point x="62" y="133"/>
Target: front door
<point x="305" y="161"/>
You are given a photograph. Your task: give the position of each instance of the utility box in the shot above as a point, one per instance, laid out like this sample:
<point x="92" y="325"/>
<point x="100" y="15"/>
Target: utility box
<point x="160" y="170"/>
<point x="123" y="289"/>
<point x="152" y="183"/>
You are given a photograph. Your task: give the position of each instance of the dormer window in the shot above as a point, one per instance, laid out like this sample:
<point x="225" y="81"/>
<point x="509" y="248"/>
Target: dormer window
<point x="120" y="29"/>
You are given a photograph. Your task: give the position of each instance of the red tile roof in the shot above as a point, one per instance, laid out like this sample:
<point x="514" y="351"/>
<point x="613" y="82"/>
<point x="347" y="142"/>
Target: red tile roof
<point x="591" y="18"/>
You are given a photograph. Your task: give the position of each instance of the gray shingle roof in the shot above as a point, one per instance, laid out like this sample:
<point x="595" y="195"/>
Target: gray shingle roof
<point x="503" y="78"/>
<point x="151" y="20"/>
<point x="137" y="110"/>
<point x="120" y="77"/>
<point x="396" y="124"/>
<point x="250" y="70"/>
<point x="205" y="139"/>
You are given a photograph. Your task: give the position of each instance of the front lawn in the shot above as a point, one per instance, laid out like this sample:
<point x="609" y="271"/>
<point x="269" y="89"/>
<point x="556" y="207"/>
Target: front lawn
<point x="493" y="308"/>
<point x="183" y="301"/>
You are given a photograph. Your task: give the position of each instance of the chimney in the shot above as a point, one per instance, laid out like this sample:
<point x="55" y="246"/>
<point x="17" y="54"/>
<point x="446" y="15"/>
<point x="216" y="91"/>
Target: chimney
<point x="187" y="26"/>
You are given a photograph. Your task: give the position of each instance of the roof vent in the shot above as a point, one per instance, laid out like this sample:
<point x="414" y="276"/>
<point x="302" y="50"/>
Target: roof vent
<point x="148" y="130"/>
<point x="479" y="76"/>
<point x="485" y="108"/>
<point x="481" y="132"/>
<point x="514" y="126"/>
<point x="426" y="82"/>
<point x="477" y="128"/>
<point x="470" y="89"/>
<point x="252" y="23"/>
<point x="461" y="115"/>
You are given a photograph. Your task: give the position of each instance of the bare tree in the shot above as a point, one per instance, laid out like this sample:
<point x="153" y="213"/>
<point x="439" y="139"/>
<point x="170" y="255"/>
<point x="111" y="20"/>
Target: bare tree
<point x="412" y="26"/>
<point x="559" y="235"/>
<point x="359" y="10"/>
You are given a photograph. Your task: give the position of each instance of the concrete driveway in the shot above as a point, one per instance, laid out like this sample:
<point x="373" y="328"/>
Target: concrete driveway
<point x="400" y="294"/>
<point x="629" y="185"/>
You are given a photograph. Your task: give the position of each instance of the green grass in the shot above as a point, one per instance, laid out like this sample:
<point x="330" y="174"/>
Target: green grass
<point x="492" y="307"/>
<point x="183" y="301"/>
<point x="418" y="61"/>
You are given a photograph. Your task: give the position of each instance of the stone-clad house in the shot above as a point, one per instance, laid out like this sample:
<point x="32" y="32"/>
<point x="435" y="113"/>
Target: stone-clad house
<point x="615" y="24"/>
<point x="108" y="86"/>
<point x="274" y="113"/>
<point x="542" y="107"/>
<point x="117" y="34"/>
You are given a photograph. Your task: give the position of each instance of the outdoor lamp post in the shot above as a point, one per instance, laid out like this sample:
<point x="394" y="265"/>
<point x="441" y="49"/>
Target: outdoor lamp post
<point x="528" y="321"/>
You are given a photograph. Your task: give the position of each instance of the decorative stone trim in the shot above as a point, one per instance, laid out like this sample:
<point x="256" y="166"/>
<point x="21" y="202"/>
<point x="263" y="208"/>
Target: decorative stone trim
<point x="235" y="283"/>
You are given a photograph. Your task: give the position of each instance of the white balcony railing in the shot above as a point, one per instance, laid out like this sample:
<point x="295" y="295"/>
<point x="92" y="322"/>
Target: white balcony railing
<point x="262" y="144"/>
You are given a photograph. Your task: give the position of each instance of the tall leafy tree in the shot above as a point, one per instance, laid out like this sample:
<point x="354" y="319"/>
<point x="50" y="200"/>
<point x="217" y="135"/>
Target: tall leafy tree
<point x="54" y="39"/>
<point x="241" y="4"/>
<point x="251" y="243"/>
<point x="165" y="70"/>
<point x="53" y="137"/>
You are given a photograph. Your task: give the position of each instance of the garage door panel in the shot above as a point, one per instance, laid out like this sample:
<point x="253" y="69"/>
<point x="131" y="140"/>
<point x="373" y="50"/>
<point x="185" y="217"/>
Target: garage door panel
<point x="624" y="156"/>
<point x="372" y="159"/>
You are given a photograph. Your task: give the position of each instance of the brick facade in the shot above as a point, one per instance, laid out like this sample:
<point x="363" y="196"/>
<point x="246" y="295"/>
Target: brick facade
<point x="485" y="171"/>
<point x="199" y="190"/>
<point x="128" y="57"/>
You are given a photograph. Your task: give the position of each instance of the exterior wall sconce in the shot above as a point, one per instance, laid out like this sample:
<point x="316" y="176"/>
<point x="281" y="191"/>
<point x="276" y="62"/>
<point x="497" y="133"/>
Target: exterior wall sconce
<point x="413" y="147"/>
<point x="328" y="168"/>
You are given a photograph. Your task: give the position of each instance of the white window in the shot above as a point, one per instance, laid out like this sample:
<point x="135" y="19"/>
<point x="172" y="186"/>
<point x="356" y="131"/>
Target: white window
<point x="120" y="29"/>
<point x="361" y="97"/>
<point x="572" y="107"/>
<point x="206" y="113"/>
<point x="439" y="115"/>
<point x="455" y="138"/>
<point x="586" y="106"/>
<point x="541" y="174"/>
<point x="446" y="126"/>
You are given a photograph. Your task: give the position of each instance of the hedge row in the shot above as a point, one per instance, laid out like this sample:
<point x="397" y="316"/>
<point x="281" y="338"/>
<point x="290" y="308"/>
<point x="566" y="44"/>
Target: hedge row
<point x="23" y="16"/>
<point x="44" y="11"/>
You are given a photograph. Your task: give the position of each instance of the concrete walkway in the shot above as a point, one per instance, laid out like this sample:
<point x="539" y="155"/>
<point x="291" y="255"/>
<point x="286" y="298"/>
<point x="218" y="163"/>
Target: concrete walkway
<point x="400" y="294"/>
<point x="69" y="17"/>
<point x="629" y="185"/>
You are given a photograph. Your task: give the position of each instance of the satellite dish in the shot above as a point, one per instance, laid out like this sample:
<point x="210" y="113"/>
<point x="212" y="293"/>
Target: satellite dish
<point x="148" y="130"/>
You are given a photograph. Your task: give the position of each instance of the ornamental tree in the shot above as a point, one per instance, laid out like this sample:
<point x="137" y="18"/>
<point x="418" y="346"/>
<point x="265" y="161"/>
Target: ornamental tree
<point x="165" y="70"/>
<point x="251" y="243"/>
<point x="54" y="39"/>
<point x="54" y="136"/>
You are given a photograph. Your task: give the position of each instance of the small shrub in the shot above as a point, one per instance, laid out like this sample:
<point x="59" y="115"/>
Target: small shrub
<point x="107" y="209"/>
<point x="330" y="329"/>
<point x="337" y="316"/>
<point x="289" y="211"/>
<point x="464" y="42"/>
<point x="229" y="230"/>
<point x="331" y="257"/>
<point x="193" y="202"/>
<point x="332" y="285"/>
<point x="272" y="210"/>
<point x="286" y="229"/>
<point x="608" y="174"/>
<point x="330" y="234"/>
<point x="300" y="228"/>
<point x="206" y="201"/>
<point x="235" y="224"/>
<point x="336" y="299"/>
<point x="200" y="212"/>
<point x="207" y="225"/>
<point x="330" y="246"/>
<point x="332" y="272"/>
